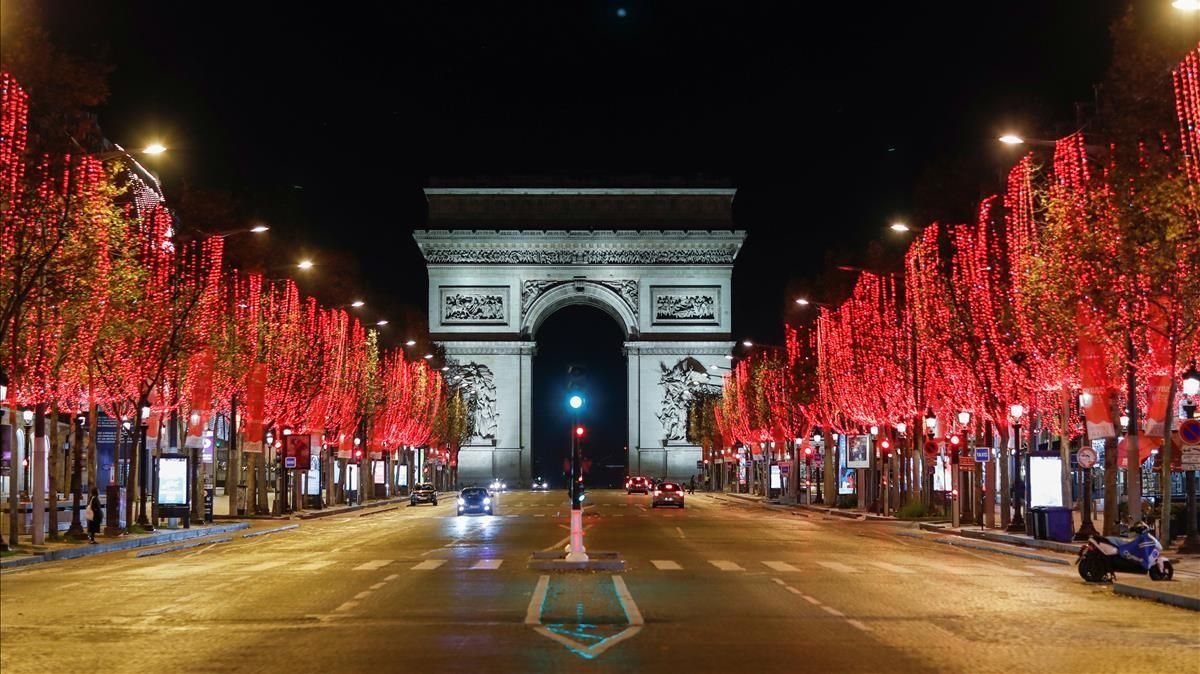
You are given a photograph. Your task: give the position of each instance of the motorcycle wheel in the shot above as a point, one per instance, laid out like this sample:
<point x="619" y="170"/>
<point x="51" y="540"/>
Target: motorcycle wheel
<point x="1167" y="573"/>
<point x="1093" y="569"/>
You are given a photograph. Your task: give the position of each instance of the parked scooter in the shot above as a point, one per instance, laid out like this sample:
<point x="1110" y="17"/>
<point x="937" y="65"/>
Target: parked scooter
<point x="1102" y="557"/>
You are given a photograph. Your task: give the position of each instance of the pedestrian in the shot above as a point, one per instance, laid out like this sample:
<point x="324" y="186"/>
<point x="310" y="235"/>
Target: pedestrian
<point x="95" y="515"/>
<point x="692" y="485"/>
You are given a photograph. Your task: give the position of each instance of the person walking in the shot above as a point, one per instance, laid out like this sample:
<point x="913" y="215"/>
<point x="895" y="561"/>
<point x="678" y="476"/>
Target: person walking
<point x="692" y="485"/>
<point x="94" y="515"/>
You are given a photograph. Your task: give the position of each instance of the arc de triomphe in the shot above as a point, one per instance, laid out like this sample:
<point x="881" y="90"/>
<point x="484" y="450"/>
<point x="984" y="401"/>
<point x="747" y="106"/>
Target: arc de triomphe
<point x="491" y="289"/>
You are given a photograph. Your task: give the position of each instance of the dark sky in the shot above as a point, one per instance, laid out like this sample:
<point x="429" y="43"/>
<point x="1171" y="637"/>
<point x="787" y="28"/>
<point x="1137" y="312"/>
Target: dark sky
<point x="832" y="118"/>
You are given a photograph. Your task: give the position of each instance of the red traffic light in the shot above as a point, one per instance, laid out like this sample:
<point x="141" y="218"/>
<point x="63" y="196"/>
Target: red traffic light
<point x="357" y="454"/>
<point x="955" y="440"/>
<point x="579" y="431"/>
<point x="808" y="451"/>
<point x="885" y="445"/>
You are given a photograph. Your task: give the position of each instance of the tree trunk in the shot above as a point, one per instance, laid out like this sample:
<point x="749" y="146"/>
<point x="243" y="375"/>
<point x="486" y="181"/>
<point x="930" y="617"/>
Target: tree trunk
<point x="1005" y="479"/>
<point x="55" y="456"/>
<point x="1133" y="470"/>
<point x="989" y="484"/>
<point x="76" y="530"/>
<point x="1110" y="476"/>
<point x="93" y="471"/>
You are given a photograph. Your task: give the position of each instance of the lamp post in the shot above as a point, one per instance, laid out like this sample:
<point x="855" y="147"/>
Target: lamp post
<point x="1018" y="486"/>
<point x="11" y="441"/>
<point x="143" y="474"/>
<point x="930" y="432"/>
<point x="1191" y="387"/>
<point x="1086" y="528"/>
<point x="964" y="427"/>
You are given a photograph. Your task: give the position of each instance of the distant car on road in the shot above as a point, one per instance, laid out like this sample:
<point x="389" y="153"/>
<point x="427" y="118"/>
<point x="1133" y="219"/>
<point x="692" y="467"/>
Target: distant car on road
<point x="423" y="493"/>
<point x="667" y="493"/>
<point x="474" y="500"/>
<point x="637" y="485"/>
<point x="497" y="486"/>
<point x="540" y="484"/>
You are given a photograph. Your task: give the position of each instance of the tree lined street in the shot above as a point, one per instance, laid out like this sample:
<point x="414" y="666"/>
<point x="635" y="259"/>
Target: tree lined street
<point x="721" y="586"/>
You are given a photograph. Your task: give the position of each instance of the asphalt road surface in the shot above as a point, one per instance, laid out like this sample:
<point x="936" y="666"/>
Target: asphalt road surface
<point x="718" y="586"/>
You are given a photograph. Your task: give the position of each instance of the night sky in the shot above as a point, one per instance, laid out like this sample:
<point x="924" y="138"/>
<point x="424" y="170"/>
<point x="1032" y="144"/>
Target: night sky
<point x="325" y="120"/>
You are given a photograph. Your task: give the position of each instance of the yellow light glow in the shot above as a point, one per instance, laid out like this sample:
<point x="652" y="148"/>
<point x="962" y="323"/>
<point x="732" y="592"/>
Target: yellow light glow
<point x="154" y="148"/>
<point x="1011" y="139"/>
<point x="305" y="264"/>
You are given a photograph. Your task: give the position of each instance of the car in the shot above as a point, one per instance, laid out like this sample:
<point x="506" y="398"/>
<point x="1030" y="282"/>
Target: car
<point x="474" y="500"/>
<point x="667" y="493"/>
<point x="423" y="493"/>
<point x="637" y="485"/>
<point x="540" y="484"/>
<point x="497" y="486"/>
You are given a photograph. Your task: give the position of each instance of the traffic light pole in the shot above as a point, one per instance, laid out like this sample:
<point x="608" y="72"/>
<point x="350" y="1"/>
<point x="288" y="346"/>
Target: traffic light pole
<point x="576" y="551"/>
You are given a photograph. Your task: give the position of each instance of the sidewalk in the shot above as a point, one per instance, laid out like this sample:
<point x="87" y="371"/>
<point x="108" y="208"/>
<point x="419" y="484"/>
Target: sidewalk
<point x="49" y="552"/>
<point x="824" y="510"/>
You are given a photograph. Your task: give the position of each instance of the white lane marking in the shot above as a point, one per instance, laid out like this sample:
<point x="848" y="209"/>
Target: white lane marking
<point x="539" y="514"/>
<point x="680" y="532"/>
<point x="666" y="565"/>
<point x="346" y="606"/>
<point x="833" y="611"/>
<point x="363" y="594"/>
<point x="793" y="590"/>
<point x="811" y="600"/>
<point x="859" y="625"/>
<point x="891" y="567"/>
<point x="429" y="565"/>
<point x="839" y="567"/>
<point x="780" y="566"/>
<point x="725" y="565"/>
<point x="558" y="545"/>
<point x="533" y="614"/>
<point x="373" y="565"/>
<point x="378" y="585"/>
<point x="452" y="543"/>
<point x="779" y="581"/>
<point x="632" y="614"/>
<point x="313" y="566"/>
<point x="394" y="576"/>
<point x="487" y="565"/>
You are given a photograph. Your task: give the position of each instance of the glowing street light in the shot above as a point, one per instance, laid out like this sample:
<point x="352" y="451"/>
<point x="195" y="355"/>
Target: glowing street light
<point x="305" y="264"/>
<point x="411" y="342"/>
<point x="154" y="148"/>
<point x="358" y="304"/>
<point x="964" y="417"/>
<point x="1017" y="411"/>
<point x="1187" y="5"/>
<point x="259" y="229"/>
<point x="1191" y="378"/>
<point x="428" y="356"/>
<point x="900" y="227"/>
<point x="803" y="301"/>
<point x="1011" y="139"/>
<point x="381" y="322"/>
<point x="747" y="343"/>
<point x="575" y="401"/>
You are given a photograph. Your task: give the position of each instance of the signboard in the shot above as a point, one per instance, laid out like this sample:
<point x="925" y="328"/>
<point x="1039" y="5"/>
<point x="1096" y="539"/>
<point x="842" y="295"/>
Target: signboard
<point x="776" y="478"/>
<point x="172" y="481"/>
<point x="983" y="454"/>
<point x="1045" y="481"/>
<point x="289" y="462"/>
<point x="1190" y="457"/>
<point x="700" y="465"/>
<point x="1189" y="432"/>
<point x="858" y="454"/>
<point x="1086" y="457"/>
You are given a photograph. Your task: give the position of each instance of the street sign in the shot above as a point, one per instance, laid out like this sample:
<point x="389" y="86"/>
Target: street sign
<point x="700" y="465"/>
<point x="289" y="462"/>
<point x="1086" y="457"/>
<point x="1189" y="432"/>
<point x="1190" y="457"/>
<point x="983" y="454"/>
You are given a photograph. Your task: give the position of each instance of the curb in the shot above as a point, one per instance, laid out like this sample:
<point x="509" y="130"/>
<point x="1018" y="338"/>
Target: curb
<point x="264" y="532"/>
<point x="349" y="509"/>
<point x="1180" y="600"/>
<point x="129" y="544"/>
<point x="185" y="546"/>
<point x="987" y="548"/>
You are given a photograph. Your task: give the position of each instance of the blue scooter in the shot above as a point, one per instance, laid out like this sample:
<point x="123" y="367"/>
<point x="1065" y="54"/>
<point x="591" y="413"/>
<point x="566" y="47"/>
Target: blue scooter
<point x="1102" y="557"/>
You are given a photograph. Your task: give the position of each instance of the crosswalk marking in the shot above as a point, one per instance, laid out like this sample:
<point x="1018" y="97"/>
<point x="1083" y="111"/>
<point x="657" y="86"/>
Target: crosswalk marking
<point x="839" y="567"/>
<point x="373" y="565"/>
<point x="429" y="565"/>
<point x="780" y="566"/>
<point x="313" y="566"/>
<point x="487" y="565"/>
<point x="891" y="567"/>
<point x="666" y="565"/>
<point x="725" y="565"/>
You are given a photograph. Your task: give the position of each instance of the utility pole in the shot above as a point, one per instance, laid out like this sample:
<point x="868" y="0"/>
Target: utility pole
<point x="576" y="552"/>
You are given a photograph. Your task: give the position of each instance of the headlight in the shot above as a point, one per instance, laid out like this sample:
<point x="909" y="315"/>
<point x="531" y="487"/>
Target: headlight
<point x="461" y="502"/>
<point x="487" y="501"/>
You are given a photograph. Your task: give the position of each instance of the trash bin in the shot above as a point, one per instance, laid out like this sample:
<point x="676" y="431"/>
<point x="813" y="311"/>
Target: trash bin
<point x="1059" y="524"/>
<point x="1037" y="516"/>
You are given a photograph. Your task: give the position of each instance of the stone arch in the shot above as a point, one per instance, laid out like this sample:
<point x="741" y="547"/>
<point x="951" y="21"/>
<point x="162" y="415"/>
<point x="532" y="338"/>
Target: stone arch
<point x="579" y="292"/>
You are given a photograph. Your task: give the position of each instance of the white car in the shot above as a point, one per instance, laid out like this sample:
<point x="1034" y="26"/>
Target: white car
<point x="497" y="486"/>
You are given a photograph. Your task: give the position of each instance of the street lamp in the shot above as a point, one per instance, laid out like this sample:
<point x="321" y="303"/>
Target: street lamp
<point x="575" y="551"/>
<point x="1191" y="378"/>
<point x="1018" y="487"/>
<point x="381" y="322"/>
<point x="304" y="264"/>
<point x="154" y="148"/>
<point x="428" y="356"/>
<point x="411" y="342"/>
<point x="357" y="304"/>
<point x="930" y="421"/>
<point x="1011" y="139"/>
<point x="964" y="418"/>
<point x="1187" y="5"/>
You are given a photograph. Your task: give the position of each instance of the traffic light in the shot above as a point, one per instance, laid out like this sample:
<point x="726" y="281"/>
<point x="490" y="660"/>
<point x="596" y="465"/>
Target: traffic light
<point x="808" y="451"/>
<point x="954" y="441"/>
<point x="886" y="446"/>
<point x="358" y="454"/>
<point x="579" y="431"/>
